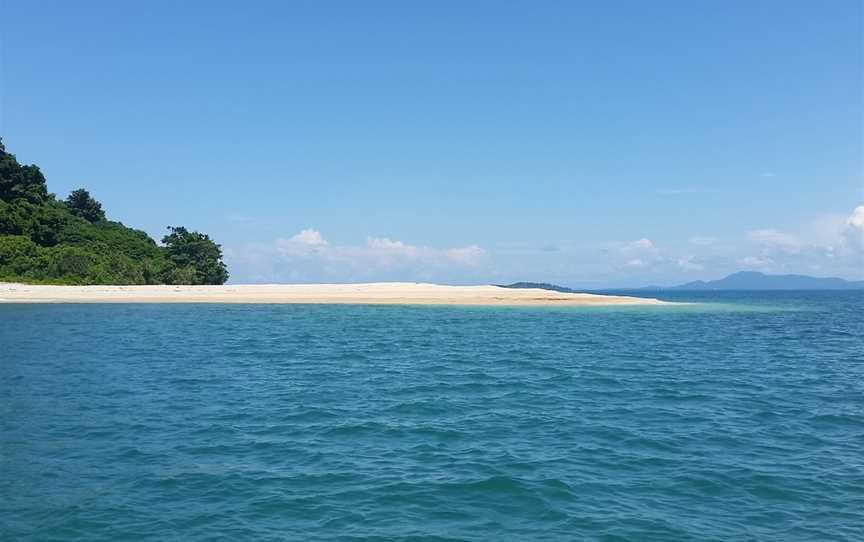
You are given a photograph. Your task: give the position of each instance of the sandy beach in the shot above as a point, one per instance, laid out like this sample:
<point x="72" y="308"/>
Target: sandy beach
<point x="396" y="293"/>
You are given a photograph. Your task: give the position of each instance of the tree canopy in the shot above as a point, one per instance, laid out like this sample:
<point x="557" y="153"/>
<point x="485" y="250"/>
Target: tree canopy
<point x="44" y="240"/>
<point x="83" y="205"/>
<point x="195" y="253"/>
<point x="19" y="182"/>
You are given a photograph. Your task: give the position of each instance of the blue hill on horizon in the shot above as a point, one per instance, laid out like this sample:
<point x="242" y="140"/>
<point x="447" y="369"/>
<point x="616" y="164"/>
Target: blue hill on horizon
<point x="742" y="280"/>
<point x="754" y="280"/>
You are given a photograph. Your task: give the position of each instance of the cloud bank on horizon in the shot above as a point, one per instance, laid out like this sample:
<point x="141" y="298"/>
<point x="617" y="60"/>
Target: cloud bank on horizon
<point x="830" y="245"/>
<point x="308" y="257"/>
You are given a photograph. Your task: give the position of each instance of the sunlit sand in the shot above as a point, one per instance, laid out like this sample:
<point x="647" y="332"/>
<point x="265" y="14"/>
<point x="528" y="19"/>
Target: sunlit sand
<point x="396" y="293"/>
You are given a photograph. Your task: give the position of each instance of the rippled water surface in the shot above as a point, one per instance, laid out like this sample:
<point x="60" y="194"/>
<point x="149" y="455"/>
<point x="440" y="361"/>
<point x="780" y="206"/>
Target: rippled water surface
<point x="737" y="418"/>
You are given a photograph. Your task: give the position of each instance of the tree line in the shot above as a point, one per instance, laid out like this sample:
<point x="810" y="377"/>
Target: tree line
<point x="51" y="241"/>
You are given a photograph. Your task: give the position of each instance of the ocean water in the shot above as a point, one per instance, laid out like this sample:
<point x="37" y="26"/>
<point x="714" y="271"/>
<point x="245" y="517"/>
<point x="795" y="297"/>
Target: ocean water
<point x="737" y="417"/>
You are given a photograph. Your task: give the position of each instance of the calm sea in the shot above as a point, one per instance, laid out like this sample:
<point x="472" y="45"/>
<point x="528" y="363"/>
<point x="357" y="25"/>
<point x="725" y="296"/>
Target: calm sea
<point x="739" y="417"/>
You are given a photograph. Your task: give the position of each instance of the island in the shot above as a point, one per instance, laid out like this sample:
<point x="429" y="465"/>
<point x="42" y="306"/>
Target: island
<point x="55" y="250"/>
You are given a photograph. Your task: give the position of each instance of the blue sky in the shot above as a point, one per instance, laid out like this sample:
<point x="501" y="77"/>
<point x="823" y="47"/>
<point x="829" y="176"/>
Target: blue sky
<point x="586" y="143"/>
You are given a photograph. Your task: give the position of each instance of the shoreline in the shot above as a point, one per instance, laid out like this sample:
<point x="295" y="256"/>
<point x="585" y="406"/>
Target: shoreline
<point x="380" y="293"/>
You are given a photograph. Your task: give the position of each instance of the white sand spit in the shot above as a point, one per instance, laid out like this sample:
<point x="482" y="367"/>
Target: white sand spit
<point x="396" y="293"/>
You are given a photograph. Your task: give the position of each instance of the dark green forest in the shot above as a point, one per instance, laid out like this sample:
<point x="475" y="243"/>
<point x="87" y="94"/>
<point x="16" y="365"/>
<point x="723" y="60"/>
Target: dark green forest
<point x="50" y="241"/>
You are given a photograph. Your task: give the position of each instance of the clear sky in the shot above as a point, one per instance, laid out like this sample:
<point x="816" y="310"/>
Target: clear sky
<point x="585" y="143"/>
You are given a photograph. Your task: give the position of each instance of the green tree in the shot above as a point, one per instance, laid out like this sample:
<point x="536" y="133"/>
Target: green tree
<point x="196" y="251"/>
<point x="48" y="223"/>
<point x="13" y="219"/>
<point x="118" y="269"/>
<point x="73" y="264"/>
<point x="181" y="275"/>
<point x="17" y="254"/>
<point x="83" y="205"/>
<point x="20" y="182"/>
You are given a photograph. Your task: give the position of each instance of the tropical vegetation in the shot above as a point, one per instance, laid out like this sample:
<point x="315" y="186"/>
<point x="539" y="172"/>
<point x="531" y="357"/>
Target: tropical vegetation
<point x="51" y="241"/>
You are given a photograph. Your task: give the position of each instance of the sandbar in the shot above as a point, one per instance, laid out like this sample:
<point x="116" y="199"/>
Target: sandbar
<point x="379" y="293"/>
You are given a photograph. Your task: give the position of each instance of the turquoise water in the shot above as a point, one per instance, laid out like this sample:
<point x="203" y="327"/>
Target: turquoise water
<point x="740" y="417"/>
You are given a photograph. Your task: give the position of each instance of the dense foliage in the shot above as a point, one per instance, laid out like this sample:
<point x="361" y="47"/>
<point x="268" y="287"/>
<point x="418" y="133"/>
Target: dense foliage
<point x="44" y="240"/>
<point x="82" y="205"/>
<point x="196" y="255"/>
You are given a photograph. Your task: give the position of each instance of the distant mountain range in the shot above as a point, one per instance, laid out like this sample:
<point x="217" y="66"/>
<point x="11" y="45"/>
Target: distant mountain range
<point x="753" y="280"/>
<point x="743" y="280"/>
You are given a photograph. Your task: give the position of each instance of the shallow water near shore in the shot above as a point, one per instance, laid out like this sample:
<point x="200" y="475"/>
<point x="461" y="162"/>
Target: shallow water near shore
<point x="736" y="416"/>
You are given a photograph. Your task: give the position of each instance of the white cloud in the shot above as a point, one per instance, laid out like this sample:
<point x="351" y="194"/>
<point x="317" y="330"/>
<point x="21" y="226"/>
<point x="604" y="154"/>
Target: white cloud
<point x="755" y="262"/>
<point x="828" y="244"/>
<point x="687" y="263"/>
<point x="306" y="244"/>
<point x="641" y="254"/>
<point x="386" y="245"/>
<point x="640" y="244"/>
<point x="470" y="255"/>
<point x="308" y="257"/>
<point x="776" y="238"/>
<point x="853" y="232"/>
<point x="309" y="237"/>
